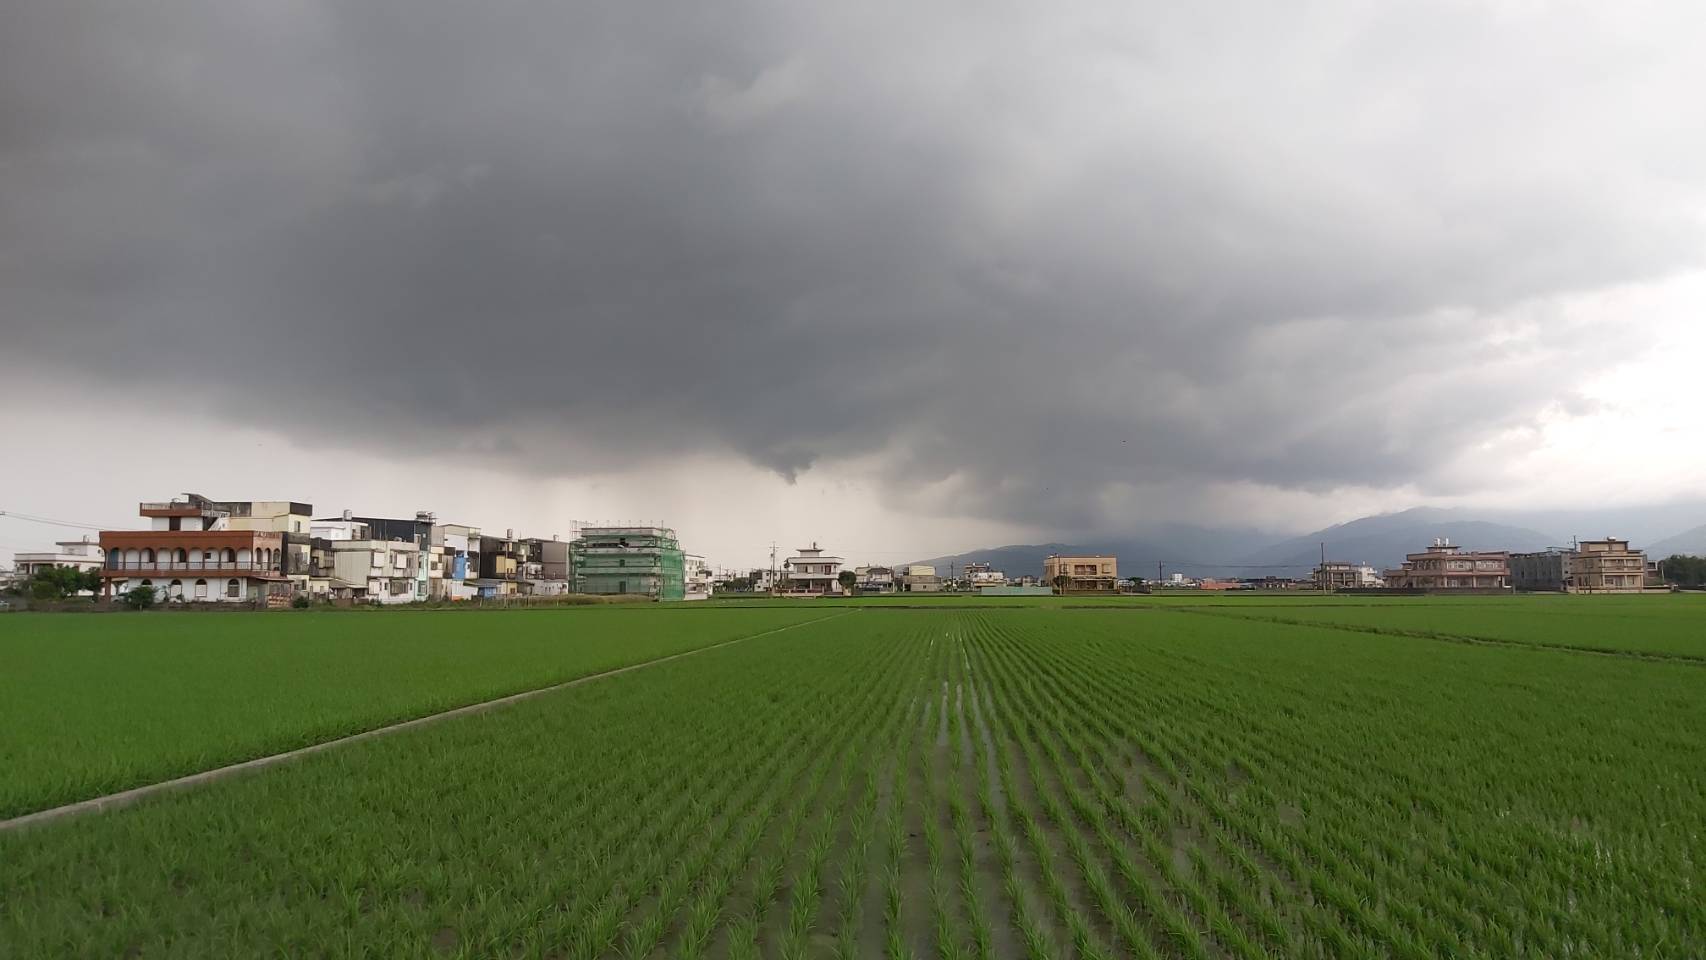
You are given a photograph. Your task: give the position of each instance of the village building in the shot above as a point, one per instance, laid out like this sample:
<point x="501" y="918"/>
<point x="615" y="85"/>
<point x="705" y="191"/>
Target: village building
<point x="812" y="573"/>
<point x="622" y="560"/>
<point x="191" y="554"/>
<point x="81" y="555"/>
<point x="917" y="578"/>
<point x="1097" y="573"/>
<point x="876" y="580"/>
<point x="1446" y="566"/>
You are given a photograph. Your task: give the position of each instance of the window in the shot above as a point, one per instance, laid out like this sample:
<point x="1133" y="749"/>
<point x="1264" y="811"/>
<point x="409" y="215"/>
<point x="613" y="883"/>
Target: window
<point x="233" y="589"/>
<point x="148" y="583"/>
<point x="201" y="589"/>
<point x="230" y="555"/>
<point x="147" y="555"/>
<point x="181" y="556"/>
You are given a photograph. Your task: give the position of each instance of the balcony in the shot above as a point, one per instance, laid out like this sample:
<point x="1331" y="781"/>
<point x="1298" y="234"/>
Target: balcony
<point x="163" y="568"/>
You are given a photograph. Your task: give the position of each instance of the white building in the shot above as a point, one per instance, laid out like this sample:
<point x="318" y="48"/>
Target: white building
<point x="379" y="571"/>
<point x="874" y="579"/>
<point x="811" y="574"/>
<point x="979" y="575"/>
<point x="84" y="554"/>
<point x="696" y="577"/>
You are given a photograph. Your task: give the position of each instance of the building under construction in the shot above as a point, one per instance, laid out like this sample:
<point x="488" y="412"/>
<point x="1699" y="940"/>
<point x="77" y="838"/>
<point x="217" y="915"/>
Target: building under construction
<point x="642" y="561"/>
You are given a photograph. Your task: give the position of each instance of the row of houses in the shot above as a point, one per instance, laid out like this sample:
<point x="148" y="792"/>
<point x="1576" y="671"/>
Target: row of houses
<point x="270" y="551"/>
<point x="1590" y="566"/>
<point x="811" y="571"/>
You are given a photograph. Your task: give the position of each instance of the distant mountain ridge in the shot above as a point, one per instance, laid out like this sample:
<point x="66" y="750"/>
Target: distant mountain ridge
<point x="1691" y="543"/>
<point x="1380" y="541"/>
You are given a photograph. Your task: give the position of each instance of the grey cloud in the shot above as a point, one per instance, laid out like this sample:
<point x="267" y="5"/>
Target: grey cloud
<point x="1054" y="249"/>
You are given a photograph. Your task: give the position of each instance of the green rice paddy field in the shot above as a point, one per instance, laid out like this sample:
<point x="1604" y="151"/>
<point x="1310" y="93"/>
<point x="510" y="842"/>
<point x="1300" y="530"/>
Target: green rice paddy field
<point x="1164" y="777"/>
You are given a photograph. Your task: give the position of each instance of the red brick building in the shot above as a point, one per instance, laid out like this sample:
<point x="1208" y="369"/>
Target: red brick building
<point x="188" y="554"/>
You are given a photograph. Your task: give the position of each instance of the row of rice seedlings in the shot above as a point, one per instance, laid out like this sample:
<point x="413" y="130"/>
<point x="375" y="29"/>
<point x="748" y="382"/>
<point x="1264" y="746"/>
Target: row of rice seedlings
<point x="1076" y="729"/>
<point x="1233" y="892"/>
<point x="671" y="888"/>
<point x="894" y="936"/>
<point x="851" y="878"/>
<point x="645" y="851"/>
<point x="1472" y="903"/>
<point x="768" y="872"/>
<point x="807" y="892"/>
<point x="623" y="873"/>
<point x="1358" y="914"/>
<point x="666" y="870"/>
<point x="1172" y="926"/>
<point x="1344" y="846"/>
<point x="961" y="740"/>
<point x="1523" y="910"/>
<point x="1397" y="938"/>
<point x="943" y="921"/>
<point x="623" y="829"/>
<point x="1027" y="925"/>
<point x="1161" y="859"/>
<point x="706" y="909"/>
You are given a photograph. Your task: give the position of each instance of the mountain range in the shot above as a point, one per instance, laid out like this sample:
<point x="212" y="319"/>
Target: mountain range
<point x="1379" y="541"/>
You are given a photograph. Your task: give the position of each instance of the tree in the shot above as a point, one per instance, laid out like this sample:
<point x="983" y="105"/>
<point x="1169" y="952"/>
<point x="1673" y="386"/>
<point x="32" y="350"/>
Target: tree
<point x="848" y="578"/>
<point x="1060" y="582"/>
<point x="1685" y="571"/>
<point x="57" y="583"/>
<point x="139" y="598"/>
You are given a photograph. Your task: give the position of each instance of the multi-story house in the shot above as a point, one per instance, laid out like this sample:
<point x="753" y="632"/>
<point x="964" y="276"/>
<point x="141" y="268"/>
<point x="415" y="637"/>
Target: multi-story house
<point x="874" y="579"/>
<point x="419" y="532"/>
<point x="696" y="577"/>
<point x="554" y="564"/>
<point x="1607" y="566"/>
<point x="544" y="567"/>
<point x="811" y="574"/>
<point x="980" y="575"/>
<point x="1097" y="573"/>
<point x="458" y="546"/>
<point x="643" y="561"/>
<point x="373" y="570"/>
<point x="1445" y="566"/>
<point x="501" y="565"/>
<point x="191" y="554"/>
<point x="1339" y="575"/>
<point x="289" y="518"/>
<point x="917" y="578"/>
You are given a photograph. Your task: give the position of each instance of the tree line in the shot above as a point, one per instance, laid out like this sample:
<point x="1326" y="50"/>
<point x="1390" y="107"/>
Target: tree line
<point x="1685" y="571"/>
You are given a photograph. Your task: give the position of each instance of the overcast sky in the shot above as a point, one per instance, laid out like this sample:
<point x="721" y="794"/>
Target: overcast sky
<point x="905" y="279"/>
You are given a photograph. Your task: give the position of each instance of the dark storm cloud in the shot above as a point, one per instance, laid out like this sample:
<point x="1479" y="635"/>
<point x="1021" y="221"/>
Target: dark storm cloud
<point x="1049" y="250"/>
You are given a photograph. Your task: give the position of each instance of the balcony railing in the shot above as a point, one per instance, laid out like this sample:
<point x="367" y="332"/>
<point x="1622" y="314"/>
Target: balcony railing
<point x="188" y="566"/>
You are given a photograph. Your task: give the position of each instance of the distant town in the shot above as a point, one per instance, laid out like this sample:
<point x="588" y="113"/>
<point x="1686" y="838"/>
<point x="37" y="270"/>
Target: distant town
<point x="275" y="553"/>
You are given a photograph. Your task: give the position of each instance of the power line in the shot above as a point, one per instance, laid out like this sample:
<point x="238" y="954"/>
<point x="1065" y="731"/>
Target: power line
<point x="52" y="522"/>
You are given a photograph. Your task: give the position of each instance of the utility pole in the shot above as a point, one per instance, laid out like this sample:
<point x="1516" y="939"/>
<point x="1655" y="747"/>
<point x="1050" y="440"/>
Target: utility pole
<point x="1158" y="573"/>
<point x="773" y="568"/>
<point x="1326" y="585"/>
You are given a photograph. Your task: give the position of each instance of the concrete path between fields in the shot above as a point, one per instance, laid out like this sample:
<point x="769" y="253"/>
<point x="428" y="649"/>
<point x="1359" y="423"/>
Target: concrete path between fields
<point x="125" y="798"/>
